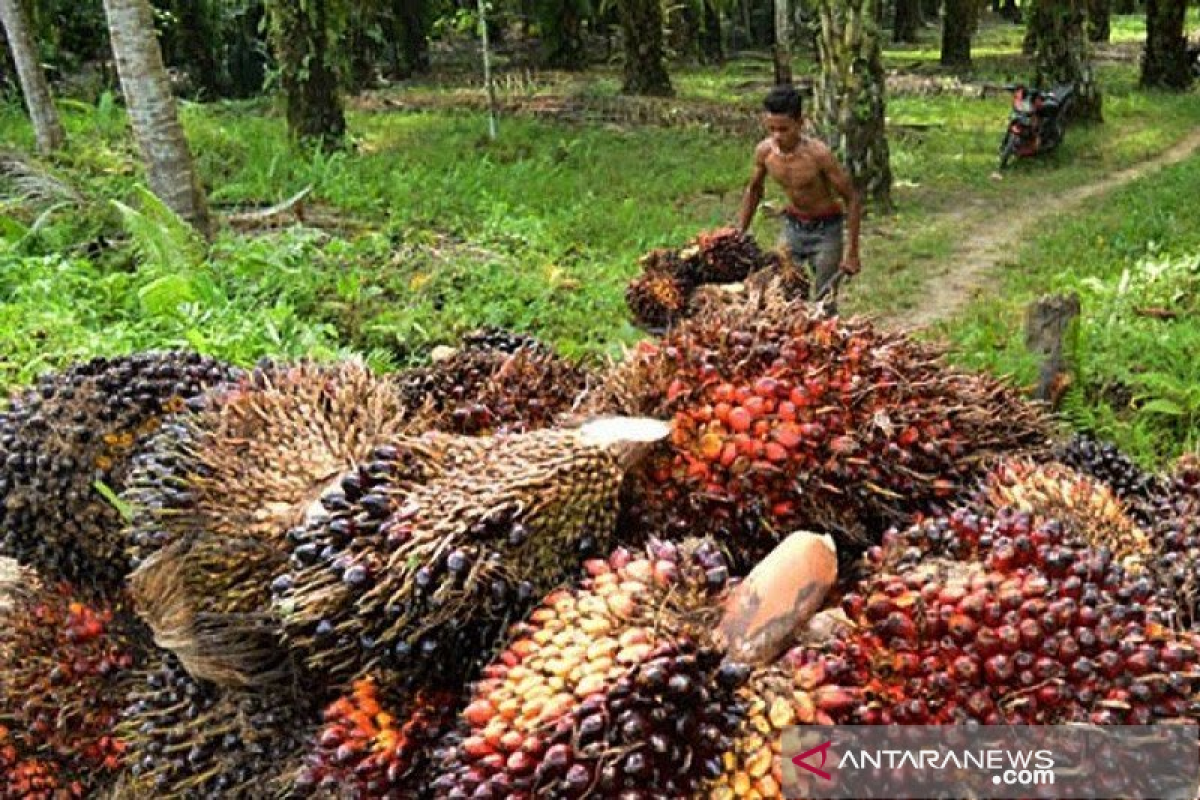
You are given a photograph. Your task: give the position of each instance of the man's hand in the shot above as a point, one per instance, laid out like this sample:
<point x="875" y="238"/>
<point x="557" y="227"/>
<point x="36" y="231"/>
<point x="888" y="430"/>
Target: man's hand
<point x="851" y="265"/>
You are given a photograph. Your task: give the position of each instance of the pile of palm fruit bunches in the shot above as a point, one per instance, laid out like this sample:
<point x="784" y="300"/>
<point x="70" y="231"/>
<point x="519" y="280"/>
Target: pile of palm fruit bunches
<point x="675" y="283"/>
<point x="505" y="575"/>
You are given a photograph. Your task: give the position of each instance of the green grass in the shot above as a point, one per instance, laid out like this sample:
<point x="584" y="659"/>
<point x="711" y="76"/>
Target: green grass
<point x="1133" y="251"/>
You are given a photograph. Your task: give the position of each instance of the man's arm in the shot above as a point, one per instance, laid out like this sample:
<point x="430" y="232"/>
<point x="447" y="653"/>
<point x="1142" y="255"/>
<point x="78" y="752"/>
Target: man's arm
<point x="754" y="191"/>
<point x="845" y="187"/>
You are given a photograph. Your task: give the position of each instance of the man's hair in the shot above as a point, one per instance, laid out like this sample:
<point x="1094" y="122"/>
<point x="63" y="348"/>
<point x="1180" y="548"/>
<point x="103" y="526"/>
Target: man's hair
<point x="783" y="100"/>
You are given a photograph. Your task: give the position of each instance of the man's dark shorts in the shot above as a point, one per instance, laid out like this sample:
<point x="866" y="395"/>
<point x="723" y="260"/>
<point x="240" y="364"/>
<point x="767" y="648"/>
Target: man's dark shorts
<point x="817" y="242"/>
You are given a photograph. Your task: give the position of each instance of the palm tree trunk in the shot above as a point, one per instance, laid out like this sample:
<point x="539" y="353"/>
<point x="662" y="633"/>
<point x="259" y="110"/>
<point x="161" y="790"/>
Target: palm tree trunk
<point x="957" y="27"/>
<point x="1165" y="58"/>
<point x="906" y="21"/>
<point x="1099" y="26"/>
<point x="1063" y="55"/>
<point x="642" y="29"/>
<point x="47" y="128"/>
<point x="152" y="112"/>
<point x="711" y="48"/>
<point x="850" y="106"/>
<point x="783" y="42"/>
<point x="303" y="43"/>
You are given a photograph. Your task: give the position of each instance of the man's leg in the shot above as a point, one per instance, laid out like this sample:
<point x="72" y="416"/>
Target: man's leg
<point x="827" y="267"/>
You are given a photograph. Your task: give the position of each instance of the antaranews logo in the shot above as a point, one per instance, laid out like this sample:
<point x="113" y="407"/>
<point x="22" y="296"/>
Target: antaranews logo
<point x="823" y="749"/>
<point x="1000" y="762"/>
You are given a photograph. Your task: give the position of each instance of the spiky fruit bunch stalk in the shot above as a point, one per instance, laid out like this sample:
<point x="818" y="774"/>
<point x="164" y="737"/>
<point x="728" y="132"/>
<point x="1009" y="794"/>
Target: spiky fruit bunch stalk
<point x="428" y="549"/>
<point x="73" y="432"/>
<point x="207" y="599"/>
<point x="65" y="664"/>
<point x="785" y="419"/>
<point x="1107" y="464"/>
<point x="609" y="687"/>
<point x="1032" y="627"/>
<point x="496" y="382"/>
<point x="258" y="452"/>
<point x="372" y="745"/>
<point x="1087" y="507"/>
<point x="190" y="739"/>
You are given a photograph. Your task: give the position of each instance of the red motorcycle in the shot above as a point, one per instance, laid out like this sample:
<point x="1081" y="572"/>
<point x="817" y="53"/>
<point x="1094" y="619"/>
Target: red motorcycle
<point x="1037" y="121"/>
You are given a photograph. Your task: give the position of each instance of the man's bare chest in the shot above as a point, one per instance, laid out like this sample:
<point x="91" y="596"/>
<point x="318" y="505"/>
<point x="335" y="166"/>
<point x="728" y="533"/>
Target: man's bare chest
<point x="795" y="172"/>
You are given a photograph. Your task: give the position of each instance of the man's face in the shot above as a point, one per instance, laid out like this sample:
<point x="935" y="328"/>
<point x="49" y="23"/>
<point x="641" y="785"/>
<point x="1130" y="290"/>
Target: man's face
<point x="784" y="130"/>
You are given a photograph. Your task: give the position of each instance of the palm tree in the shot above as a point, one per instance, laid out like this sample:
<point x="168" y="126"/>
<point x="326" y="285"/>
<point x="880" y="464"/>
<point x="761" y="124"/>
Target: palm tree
<point x="303" y="36"/>
<point x="46" y="126"/>
<point x="152" y="111"/>
<point x="1165" y="57"/>
<point x="645" y="65"/>
<point x="850" y="103"/>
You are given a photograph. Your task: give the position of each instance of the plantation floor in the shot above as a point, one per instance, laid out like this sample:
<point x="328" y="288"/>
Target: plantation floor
<point x="970" y="270"/>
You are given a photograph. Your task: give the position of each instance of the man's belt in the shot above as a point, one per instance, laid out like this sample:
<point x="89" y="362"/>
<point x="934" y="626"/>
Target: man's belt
<point x="829" y="215"/>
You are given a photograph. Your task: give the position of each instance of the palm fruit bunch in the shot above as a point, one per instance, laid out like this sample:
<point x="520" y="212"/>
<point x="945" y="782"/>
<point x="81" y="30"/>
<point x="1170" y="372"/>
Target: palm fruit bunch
<point x="661" y="294"/>
<point x="257" y="451"/>
<point x="1107" y="464"/>
<point x="69" y="438"/>
<point x="1176" y="537"/>
<point x="612" y="688"/>
<point x="724" y="255"/>
<point x="30" y="778"/>
<point x="65" y="662"/>
<point x="208" y="600"/>
<point x="775" y="698"/>
<point x="496" y="381"/>
<point x="785" y="419"/>
<point x="187" y="738"/>
<point x="421" y="554"/>
<point x="216" y="492"/>
<point x="1001" y="620"/>
<point x="372" y="745"/>
<point x="1087" y="507"/>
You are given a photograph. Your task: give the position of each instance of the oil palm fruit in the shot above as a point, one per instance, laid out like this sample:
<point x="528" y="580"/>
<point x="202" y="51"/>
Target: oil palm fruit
<point x="784" y="419"/>
<point x="496" y="381"/>
<point x="1051" y="491"/>
<point x="613" y="687"/>
<point x="376" y="744"/>
<point x="1002" y="619"/>
<point x="68" y="440"/>
<point x="187" y="738"/>
<point x="65" y="662"/>
<point x="431" y="546"/>
<point x="258" y="452"/>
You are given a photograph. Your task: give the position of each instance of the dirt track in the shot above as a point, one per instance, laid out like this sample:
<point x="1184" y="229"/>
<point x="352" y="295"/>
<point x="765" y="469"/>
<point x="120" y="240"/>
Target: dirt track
<point x="971" y="269"/>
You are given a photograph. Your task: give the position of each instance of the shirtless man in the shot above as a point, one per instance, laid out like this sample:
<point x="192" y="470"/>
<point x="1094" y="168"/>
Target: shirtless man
<point x="812" y="179"/>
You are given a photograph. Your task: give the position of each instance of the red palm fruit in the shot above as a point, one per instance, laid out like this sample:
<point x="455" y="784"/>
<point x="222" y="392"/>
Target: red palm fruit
<point x="867" y="416"/>
<point x="373" y="746"/>
<point x="625" y="639"/>
<point x="66" y="664"/>
<point x="1117" y="663"/>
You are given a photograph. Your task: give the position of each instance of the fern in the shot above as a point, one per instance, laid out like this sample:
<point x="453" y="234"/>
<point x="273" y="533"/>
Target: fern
<point x="164" y="242"/>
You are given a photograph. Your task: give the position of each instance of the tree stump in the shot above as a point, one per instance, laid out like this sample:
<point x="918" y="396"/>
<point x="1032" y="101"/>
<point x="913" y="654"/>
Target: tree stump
<point x="1049" y="328"/>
